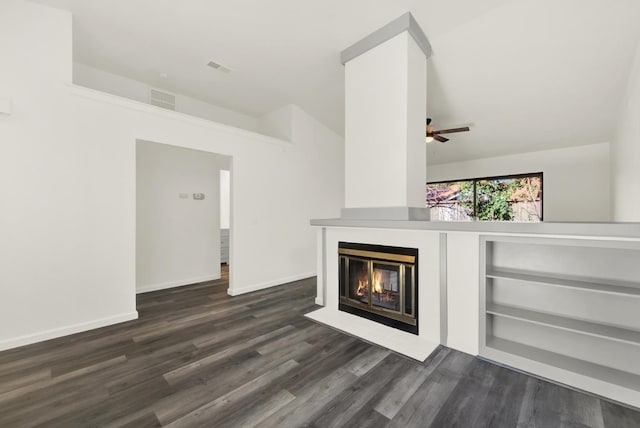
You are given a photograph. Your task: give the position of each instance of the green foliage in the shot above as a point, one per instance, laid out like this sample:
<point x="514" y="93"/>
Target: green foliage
<point x="493" y="200"/>
<point x="466" y="197"/>
<point x="501" y="199"/>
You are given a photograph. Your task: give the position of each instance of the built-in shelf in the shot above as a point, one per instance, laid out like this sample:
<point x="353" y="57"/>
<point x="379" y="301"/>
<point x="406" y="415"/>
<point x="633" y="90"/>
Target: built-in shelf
<point x="610" y="286"/>
<point x="610" y="332"/>
<point x="575" y="365"/>
<point x="565" y="309"/>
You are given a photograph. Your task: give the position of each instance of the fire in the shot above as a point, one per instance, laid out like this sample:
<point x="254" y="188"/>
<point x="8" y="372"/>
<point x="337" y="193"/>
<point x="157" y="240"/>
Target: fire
<point x="363" y="284"/>
<point x="379" y="289"/>
<point x="362" y="287"/>
<point x="377" y="282"/>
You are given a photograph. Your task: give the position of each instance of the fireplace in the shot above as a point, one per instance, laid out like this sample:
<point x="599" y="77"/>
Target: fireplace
<point x="380" y="283"/>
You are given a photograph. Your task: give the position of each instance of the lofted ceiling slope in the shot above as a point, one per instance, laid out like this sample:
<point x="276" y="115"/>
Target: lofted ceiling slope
<point x="525" y="74"/>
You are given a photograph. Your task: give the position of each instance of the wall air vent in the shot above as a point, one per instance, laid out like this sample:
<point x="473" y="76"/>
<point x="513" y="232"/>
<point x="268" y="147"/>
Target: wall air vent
<point x="162" y="99"/>
<point x="219" y="67"/>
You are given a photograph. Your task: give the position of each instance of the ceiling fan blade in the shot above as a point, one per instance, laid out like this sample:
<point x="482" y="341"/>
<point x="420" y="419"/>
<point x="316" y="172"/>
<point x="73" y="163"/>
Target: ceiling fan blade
<point x="441" y="139"/>
<point x="452" y="130"/>
<point x="428" y="121"/>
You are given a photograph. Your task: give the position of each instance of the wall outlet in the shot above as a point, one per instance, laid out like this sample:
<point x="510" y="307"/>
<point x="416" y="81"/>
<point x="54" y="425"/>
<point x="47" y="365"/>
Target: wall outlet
<point x="198" y="196"/>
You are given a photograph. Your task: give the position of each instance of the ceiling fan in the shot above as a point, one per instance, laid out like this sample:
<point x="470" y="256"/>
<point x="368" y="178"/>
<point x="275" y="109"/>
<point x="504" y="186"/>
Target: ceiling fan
<point x="435" y="135"/>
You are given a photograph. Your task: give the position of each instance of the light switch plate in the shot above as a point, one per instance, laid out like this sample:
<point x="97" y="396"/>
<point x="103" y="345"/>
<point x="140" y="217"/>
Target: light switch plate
<point x="198" y="196"/>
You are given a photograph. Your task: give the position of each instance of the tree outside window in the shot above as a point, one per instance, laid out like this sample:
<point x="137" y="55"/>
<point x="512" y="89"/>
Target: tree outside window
<point x="506" y="198"/>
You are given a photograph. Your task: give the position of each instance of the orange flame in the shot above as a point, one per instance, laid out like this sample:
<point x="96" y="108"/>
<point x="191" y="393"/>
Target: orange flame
<point x="377" y="282"/>
<point x="362" y="287"/>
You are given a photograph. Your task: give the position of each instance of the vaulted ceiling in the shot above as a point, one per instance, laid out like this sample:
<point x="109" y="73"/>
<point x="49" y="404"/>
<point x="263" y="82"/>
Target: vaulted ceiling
<point x="525" y="74"/>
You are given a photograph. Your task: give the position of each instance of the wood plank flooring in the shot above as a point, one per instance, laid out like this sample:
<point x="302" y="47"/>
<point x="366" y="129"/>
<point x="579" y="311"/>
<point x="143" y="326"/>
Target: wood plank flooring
<point x="197" y="357"/>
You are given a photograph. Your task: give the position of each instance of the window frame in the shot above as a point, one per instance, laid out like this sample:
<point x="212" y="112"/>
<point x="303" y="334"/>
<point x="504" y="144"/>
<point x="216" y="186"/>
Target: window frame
<point x="497" y="177"/>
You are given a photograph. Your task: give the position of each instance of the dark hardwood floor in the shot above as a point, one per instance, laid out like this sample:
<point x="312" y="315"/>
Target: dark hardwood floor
<point x="197" y="357"/>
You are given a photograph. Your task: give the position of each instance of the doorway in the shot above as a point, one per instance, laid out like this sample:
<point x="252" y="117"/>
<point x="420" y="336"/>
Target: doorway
<point x="178" y="215"/>
<point x="225" y="219"/>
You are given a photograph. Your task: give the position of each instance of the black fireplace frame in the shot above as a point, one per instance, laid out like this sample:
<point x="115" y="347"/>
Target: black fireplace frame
<point x="342" y="280"/>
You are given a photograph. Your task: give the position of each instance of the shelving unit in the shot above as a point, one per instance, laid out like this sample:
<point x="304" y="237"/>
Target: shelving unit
<point x="618" y="287"/>
<point x="566" y="323"/>
<point x="564" y="309"/>
<point x="576" y="365"/>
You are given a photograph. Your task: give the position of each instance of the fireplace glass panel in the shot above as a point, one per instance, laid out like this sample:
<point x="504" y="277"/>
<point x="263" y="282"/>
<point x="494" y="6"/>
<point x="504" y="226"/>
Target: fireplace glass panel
<point x="380" y="283"/>
<point x="359" y="280"/>
<point x="408" y="290"/>
<point x="385" y="289"/>
<point x="343" y="275"/>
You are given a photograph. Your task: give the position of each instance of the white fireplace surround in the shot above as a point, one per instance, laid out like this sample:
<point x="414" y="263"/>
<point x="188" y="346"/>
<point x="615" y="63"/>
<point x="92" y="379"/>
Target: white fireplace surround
<point x="430" y="299"/>
<point x="457" y="311"/>
<point x="385" y="172"/>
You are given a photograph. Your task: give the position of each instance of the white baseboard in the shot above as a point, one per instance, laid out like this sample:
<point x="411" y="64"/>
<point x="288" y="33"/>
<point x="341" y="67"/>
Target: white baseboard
<point x="274" y="283"/>
<point x="65" y="331"/>
<point x="178" y="283"/>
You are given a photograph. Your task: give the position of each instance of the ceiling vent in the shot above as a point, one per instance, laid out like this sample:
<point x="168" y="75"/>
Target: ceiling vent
<point x="162" y="99"/>
<point x="219" y="67"/>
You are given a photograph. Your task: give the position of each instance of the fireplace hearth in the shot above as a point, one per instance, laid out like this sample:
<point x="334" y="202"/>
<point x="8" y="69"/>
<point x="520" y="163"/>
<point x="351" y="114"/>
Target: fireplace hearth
<point x="380" y="283"/>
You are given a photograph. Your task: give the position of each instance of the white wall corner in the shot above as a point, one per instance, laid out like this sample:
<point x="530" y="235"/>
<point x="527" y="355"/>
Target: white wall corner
<point x="269" y="284"/>
<point x="277" y="123"/>
<point x="625" y="150"/>
<point x="172" y="284"/>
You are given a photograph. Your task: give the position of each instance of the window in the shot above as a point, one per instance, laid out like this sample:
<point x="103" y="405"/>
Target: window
<point x="506" y="198"/>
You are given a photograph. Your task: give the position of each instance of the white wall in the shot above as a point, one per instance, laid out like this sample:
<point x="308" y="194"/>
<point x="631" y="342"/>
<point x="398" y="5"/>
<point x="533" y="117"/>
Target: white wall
<point x="91" y="77"/>
<point x="277" y="123"/>
<point x="225" y="199"/>
<point x="576" y="179"/>
<point x="67" y="177"/>
<point x="177" y="236"/>
<point x="625" y="152"/>
<point x="274" y="195"/>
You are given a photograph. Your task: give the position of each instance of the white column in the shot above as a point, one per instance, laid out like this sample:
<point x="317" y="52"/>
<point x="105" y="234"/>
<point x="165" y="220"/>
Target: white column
<point x="385" y="103"/>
